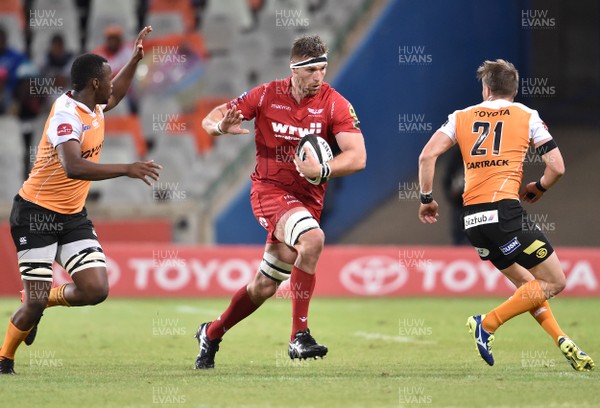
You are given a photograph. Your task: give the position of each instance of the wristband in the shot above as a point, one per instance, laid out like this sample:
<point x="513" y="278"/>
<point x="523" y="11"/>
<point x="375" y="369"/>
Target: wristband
<point x="219" y="130"/>
<point x="539" y="186"/>
<point x="426" y="198"/>
<point x="325" y="171"/>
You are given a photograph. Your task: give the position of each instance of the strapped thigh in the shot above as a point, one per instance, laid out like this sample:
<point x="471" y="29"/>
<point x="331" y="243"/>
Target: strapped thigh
<point x="36" y="263"/>
<point x="275" y="269"/>
<point x="297" y="224"/>
<point x="79" y="255"/>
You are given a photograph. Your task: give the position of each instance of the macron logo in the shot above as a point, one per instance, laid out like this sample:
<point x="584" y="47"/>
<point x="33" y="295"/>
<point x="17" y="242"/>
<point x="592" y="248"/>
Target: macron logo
<point x="278" y="106"/>
<point x="23" y="240"/>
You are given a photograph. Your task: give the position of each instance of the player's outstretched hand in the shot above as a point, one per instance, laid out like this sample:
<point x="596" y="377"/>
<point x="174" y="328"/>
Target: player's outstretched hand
<point x="531" y="194"/>
<point x="138" y="46"/>
<point x="231" y="122"/>
<point x="142" y="170"/>
<point x="428" y="212"/>
<point x="310" y="167"/>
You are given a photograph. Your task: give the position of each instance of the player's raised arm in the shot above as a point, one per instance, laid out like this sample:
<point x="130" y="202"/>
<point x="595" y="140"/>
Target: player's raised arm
<point x="76" y="167"/>
<point x="123" y="79"/>
<point x="222" y="120"/>
<point x="438" y="144"/>
<point x="555" y="168"/>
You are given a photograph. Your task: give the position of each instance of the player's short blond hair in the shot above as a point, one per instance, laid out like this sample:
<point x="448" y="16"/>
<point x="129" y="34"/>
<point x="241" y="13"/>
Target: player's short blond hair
<point x="308" y="46"/>
<point x="500" y="76"/>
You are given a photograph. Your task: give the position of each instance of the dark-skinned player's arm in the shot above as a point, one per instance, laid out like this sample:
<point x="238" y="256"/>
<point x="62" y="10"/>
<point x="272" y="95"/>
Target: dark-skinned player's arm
<point x="352" y="159"/>
<point x="76" y="167"/>
<point x="122" y="81"/>
<point x="555" y="168"/>
<point x="221" y="120"/>
<point x="437" y="145"/>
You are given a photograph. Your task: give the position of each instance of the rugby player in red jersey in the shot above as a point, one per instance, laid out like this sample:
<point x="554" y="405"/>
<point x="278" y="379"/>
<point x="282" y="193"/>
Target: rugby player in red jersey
<point x="283" y="201"/>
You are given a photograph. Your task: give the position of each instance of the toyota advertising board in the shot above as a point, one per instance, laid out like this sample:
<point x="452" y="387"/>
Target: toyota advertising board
<point x="146" y="270"/>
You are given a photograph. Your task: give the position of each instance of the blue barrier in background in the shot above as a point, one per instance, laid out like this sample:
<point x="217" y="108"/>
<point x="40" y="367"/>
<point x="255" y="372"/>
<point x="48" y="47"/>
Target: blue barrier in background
<point x="415" y="66"/>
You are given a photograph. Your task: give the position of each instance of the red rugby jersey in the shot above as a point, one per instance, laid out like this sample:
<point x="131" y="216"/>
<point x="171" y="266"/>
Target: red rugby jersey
<point x="280" y="123"/>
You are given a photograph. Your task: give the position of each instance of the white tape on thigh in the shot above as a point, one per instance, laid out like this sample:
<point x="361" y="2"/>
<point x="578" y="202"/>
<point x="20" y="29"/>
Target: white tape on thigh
<point x="297" y="224"/>
<point x="79" y="255"/>
<point x="275" y="269"/>
<point x="36" y="263"/>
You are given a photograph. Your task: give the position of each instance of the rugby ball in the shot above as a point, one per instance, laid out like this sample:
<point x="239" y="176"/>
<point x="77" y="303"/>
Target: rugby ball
<point x="319" y="149"/>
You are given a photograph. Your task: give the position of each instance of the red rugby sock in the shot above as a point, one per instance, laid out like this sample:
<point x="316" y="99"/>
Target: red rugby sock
<point x="241" y="306"/>
<point x="302" y="285"/>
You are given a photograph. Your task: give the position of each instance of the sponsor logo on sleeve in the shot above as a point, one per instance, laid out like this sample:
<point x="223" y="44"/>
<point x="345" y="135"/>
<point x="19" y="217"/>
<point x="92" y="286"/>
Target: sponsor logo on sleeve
<point x="510" y="246"/>
<point x="64" y="129"/>
<point x="356" y="122"/>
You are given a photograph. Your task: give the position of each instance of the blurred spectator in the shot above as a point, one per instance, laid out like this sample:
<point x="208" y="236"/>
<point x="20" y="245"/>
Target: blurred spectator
<point x="4" y="93"/>
<point x="30" y="95"/>
<point x="255" y="7"/>
<point x="454" y="184"/>
<point x="57" y="62"/>
<point x="114" y="48"/>
<point x="10" y="59"/>
<point x="315" y="5"/>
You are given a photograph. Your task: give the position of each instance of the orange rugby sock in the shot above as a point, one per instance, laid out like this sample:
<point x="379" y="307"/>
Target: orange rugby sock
<point x="57" y="296"/>
<point x="13" y="339"/>
<point x="527" y="297"/>
<point x="543" y="315"/>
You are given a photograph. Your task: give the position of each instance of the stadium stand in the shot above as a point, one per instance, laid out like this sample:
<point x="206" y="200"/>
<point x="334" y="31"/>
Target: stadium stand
<point x="127" y="127"/>
<point x="219" y="32"/>
<point x="103" y="13"/>
<point x="54" y="17"/>
<point x="199" y="55"/>
<point x="166" y="12"/>
<point x="11" y="147"/>
<point x="13" y="21"/>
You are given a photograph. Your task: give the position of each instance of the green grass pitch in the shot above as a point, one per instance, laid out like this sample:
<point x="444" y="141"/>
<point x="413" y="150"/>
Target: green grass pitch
<point x="412" y="352"/>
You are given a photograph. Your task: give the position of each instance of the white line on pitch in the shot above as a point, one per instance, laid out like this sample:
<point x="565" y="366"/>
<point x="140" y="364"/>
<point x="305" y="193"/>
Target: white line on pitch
<point x="397" y="339"/>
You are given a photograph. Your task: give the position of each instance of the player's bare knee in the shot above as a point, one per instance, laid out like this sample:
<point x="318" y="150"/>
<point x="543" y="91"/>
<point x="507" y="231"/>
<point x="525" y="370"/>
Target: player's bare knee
<point x="559" y="284"/>
<point x="266" y="289"/>
<point x="97" y="295"/>
<point x="262" y="288"/>
<point x="311" y="243"/>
